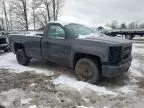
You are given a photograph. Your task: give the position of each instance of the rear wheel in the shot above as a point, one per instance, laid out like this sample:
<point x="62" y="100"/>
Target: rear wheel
<point x="22" y="57"/>
<point x="87" y="70"/>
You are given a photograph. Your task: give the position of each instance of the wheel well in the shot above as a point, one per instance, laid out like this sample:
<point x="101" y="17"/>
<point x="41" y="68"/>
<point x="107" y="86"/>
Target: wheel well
<point x="18" y="46"/>
<point x="78" y="56"/>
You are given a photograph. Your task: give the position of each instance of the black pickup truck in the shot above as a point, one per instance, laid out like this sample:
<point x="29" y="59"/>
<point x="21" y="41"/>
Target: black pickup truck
<point x="76" y="46"/>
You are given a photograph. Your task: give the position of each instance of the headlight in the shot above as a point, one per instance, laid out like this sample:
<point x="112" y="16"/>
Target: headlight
<point x="115" y="55"/>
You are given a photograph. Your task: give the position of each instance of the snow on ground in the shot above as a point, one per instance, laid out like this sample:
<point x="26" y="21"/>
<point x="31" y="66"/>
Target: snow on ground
<point x="121" y="93"/>
<point x="25" y="101"/>
<point x="80" y="86"/>
<point x="84" y="107"/>
<point x="32" y="106"/>
<point x="127" y="89"/>
<point x="8" y="61"/>
<point x="134" y="69"/>
<point x="7" y="98"/>
<point x="138" y="51"/>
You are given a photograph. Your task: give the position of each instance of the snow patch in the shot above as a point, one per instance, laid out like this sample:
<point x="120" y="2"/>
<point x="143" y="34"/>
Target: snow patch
<point x="138" y="50"/>
<point x="134" y="69"/>
<point x="136" y="64"/>
<point x="7" y="98"/>
<point x="25" y="101"/>
<point x="105" y="107"/>
<point x="8" y="61"/>
<point x="84" y="107"/>
<point x="81" y="86"/>
<point x="135" y="72"/>
<point x="32" y="106"/>
<point x="33" y="84"/>
<point x="127" y="89"/>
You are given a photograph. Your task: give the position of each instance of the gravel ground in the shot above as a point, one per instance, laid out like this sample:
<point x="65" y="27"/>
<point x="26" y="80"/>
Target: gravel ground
<point x="45" y="85"/>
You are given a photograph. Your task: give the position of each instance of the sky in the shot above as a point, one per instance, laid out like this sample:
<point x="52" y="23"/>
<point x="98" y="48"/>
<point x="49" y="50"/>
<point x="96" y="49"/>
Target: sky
<point x="104" y="11"/>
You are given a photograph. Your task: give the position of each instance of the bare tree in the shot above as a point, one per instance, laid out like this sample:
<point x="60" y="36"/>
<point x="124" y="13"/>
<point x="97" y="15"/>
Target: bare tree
<point x="35" y="5"/>
<point x="47" y="6"/>
<point x="33" y="13"/>
<point x="1" y="24"/>
<point x="5" y="14"/>
<point x="21" y="13"/>
<point x="133" y="25"/>
<point x="56" y="6"/>
<point x="123" y="26"/>
<point x="43" y="14"/>
<point x="10" y="16"/>
<point x="141" y="26"/>
<point x="2" y="21"/>
<point x="113" y="25"/>
<point x="41" y="18"/>
<point x="52" y="8"/>
<point x="24" y="4"/>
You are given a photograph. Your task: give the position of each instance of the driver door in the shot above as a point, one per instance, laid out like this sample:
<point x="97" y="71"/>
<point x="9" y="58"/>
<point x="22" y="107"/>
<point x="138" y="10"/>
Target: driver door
<point x="55" y="46"/>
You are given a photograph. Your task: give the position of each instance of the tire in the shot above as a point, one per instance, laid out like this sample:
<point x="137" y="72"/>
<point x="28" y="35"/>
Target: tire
<point x="22" y="57"/>
<point x="87" y="70"/>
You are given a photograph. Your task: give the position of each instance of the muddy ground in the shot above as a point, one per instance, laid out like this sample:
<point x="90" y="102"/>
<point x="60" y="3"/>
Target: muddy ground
<point x="30" y="89"/>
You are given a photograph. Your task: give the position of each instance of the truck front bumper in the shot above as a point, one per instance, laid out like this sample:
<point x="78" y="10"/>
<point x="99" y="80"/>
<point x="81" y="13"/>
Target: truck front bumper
<point x="113" y="71"/>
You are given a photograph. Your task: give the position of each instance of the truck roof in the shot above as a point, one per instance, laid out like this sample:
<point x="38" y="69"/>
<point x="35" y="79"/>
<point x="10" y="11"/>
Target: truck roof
<point x="63" y="23"/>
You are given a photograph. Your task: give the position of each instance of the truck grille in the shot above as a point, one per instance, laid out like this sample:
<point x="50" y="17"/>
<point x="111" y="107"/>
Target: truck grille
<point x="3" y="41"/>
<point x="126" y="53"/>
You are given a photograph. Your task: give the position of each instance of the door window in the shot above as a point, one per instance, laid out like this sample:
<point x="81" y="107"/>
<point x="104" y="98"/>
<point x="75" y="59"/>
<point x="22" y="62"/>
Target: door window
<point x="56" y="32"/>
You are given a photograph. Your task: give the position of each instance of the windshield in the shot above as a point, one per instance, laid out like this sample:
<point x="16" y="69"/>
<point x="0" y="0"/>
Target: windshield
<point x="78" y="31"/>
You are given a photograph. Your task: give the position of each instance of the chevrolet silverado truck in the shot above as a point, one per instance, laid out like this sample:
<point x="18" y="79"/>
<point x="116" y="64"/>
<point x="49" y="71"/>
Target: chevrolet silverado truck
<point x="4" y="45"/>
<point x="76" y="46"/>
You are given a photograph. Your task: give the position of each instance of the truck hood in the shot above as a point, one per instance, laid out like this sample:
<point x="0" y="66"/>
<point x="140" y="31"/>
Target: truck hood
<point x="105" y="38"/>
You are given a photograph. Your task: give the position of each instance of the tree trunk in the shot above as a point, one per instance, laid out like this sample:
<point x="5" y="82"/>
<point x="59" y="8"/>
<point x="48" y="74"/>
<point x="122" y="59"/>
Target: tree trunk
<point x="5" y="13"/>
<point x="11" y="26"/>
<point x="25" y="14"/>
<point x="34" y="19"/>
<point x="54" y="10"/>
<point x="2" y="21"/>
<point x="48" y="12"/>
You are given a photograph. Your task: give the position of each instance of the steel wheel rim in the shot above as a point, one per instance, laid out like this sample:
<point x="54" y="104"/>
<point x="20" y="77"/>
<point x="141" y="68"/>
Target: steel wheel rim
<point x="84" y="71"/>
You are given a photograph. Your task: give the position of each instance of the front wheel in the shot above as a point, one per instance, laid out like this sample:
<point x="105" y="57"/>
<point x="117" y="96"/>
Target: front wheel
<point x="87" y="70"/>
<point x="22" y="57"/>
